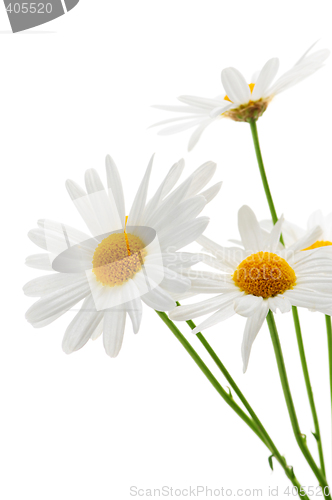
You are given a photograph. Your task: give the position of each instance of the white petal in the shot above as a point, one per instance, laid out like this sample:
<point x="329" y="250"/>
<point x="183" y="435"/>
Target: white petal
<point x="81" y="327"/>
<point x="315" y="219"/>
<point x="179" y="119"/>
<point x="280" y="302"/>
<point x="82" y="203"/>
<point x="309" y="238"/>
<point x="152" y="217"/>
<point x="247" y="305"/>
<point x="196" y="135"/>
<point x="235" y="86"/>
<point x="191" y="311"/>
<point x="103" y="203"/>
<point x="48" y="240"/>
<point x="253" y="325"/>
<point x="265" y="78"/>
<point x="250" y="231"/>
<point x="186" y="211"/>
<point x="221" y="109"/>
<point x="178" y="109"/>
<point x="306" y="52"/>
<point x="182" y="235"/>
<point x="301" y="297"/>
<point x="58" y="302"/>
<point x="200" y="177"/>
<point x="70" y="234"/>
<point x="201" y="102"/>
<point x="93" y="182"/>
<point x="175" y="283"/>
<point x="274" y="236"/>
<point x="135" y="310"/>
<point x="165" y="187"/>
<point x="226" y="311"/>
<point x="181" y="127"/>
<point x="181" y="259"/>
<point x="228" y="258"/>
<point x="40" y="261"/>
<point x="114" y="326"/>
<point x="300" y="71"/>
<point x="203" y="285"/>
<point x="210" y="193"/>
<point x="138" y="205"/>
<point x="159" y="300"/>
<point x="98" y="330"/>
<point x="44" y="285"/>
<point x="115" y="185"/>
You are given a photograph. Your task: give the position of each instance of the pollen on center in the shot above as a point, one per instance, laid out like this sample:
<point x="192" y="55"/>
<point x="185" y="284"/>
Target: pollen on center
<point x="118" y="258"/>
<point x="264" y="274"/>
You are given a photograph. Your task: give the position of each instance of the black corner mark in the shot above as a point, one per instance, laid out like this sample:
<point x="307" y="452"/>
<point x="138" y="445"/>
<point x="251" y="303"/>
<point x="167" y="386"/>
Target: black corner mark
<point x="28" y="14"/>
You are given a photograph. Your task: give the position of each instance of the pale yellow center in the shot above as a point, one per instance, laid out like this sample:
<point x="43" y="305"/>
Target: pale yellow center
<point x="264" y="274"/>
<point x="319" y="244"/>
<point x="118" y="258"/>
<point x="251" y="86"/>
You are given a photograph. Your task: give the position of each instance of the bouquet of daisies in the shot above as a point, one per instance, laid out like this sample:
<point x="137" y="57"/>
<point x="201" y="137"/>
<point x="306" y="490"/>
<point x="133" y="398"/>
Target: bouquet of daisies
<point x="134" y="256"/>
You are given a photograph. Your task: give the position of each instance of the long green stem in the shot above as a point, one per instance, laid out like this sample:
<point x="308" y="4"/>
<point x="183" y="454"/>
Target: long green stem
<point x="266" y="186"/>
<point x="309" y="388"/>
<point x="300" y="438"/>
<point x="269" y="443"/>
<point x="257" y="429"/>
<point x="274" y="216"/>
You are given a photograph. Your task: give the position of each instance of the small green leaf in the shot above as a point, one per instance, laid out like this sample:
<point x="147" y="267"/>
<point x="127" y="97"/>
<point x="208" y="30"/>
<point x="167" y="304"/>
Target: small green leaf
<point x="304" y="437"/>
<point x="315" y="436"/>
<point x="291" y="472"/>
<point x="230" y="392"/>
<point x="271" y="461"/>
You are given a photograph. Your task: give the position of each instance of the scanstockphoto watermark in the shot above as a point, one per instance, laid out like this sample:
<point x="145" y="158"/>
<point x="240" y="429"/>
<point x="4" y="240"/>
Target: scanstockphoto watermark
<point x="224" y="492"/>
<point x="195" y="491"/>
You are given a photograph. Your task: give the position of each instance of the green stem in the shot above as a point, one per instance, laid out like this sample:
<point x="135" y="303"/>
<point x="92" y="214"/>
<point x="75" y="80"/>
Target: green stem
<point x="266" y="186"/>
<point x="309" y="388"/>
<point x="268" y="441"/>
<point x="300" y="438"/>
<point x="254" y="133"/>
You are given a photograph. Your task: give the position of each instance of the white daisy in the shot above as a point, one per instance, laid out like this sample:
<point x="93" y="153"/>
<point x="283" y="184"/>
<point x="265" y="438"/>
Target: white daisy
<point x="241" y="101"/>
<point x="292" y="233"/>
<point x="124" y="261"/>
<point x="258" y="278"/>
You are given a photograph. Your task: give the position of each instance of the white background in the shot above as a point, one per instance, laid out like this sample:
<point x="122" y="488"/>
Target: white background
<point x="86" y="426"/>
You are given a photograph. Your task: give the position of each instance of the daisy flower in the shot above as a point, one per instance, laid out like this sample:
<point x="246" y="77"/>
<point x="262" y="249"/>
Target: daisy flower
<point x="241" y="101"/>
<point x="258" y="278"/>
<point x="124" y="261"/>
<point x="292" y="233"/>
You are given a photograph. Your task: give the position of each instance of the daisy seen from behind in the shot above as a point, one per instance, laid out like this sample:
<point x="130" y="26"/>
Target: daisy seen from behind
<point x="124" y="261"/>
<point x="242" y="101"/>
<point x="260" y="277"/>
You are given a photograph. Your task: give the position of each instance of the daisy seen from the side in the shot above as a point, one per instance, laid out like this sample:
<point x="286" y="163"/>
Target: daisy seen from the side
<point x="242" y="101"/>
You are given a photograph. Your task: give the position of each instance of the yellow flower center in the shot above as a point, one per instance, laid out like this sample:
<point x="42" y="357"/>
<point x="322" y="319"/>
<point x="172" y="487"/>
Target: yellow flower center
<point x="250" y="85"/>
<point x="118" y="258"/>
<point x="264" y="274"/>
<point x="319" y="244"/>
